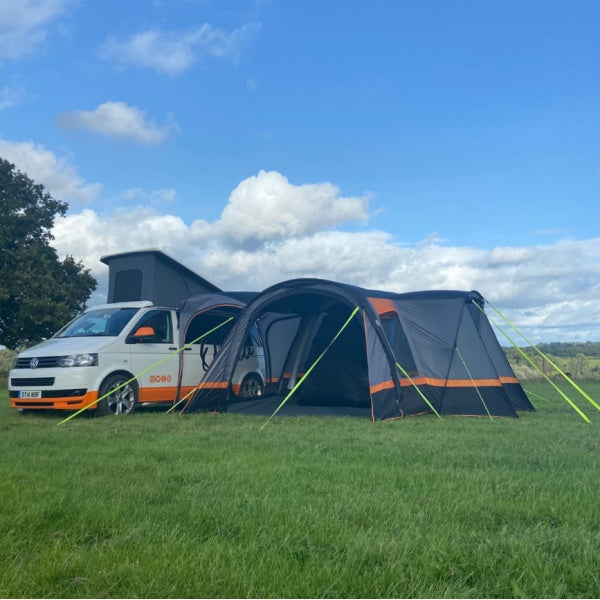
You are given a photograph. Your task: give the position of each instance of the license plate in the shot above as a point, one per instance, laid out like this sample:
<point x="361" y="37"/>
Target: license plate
<point x="31" y="395"/>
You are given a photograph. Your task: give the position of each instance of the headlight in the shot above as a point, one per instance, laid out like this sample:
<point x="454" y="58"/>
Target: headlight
<point x="78" y="360"/>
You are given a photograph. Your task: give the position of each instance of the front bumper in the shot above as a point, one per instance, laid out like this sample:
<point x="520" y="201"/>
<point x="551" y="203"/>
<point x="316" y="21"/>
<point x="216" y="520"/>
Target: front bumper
<point x="61" y="389"/>
<point x="62" y="402"/>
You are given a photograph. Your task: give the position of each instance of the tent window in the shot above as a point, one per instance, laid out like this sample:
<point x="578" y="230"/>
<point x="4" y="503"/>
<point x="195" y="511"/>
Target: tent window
<point x="397" y="338"/>
<point x="128" y="285"/>
<point x="206" y="321"/>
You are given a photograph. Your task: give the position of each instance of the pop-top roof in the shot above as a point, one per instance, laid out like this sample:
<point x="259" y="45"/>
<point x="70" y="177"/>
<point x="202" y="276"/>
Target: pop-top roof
<point x="152" y="275"/>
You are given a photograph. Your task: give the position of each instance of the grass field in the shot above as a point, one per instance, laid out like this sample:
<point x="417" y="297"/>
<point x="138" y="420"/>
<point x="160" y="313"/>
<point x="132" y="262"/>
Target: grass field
<point x="158" y="505"/>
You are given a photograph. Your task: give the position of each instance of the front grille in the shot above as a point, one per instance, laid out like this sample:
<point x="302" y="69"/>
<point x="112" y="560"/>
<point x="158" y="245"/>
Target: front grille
<point x="44" y="362"/>
<point x="64" y="393"/>
<point x="31" y="381"/>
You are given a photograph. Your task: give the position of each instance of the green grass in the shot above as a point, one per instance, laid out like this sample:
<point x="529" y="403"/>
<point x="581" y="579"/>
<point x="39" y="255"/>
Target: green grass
<point x="158" y="505"/>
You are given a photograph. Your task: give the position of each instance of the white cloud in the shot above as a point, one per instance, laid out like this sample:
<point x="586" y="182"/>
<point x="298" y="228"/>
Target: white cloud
<point x="120" y="121"/>
<point x="173" y="53"/>
<point x="56" y="174"/>
<point x="267" y="207"/>
<point x="551" y="292"/>
<point x="23" y="24"/>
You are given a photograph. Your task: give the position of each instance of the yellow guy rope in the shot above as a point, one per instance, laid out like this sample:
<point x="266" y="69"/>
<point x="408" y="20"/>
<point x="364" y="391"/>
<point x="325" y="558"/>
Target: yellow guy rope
<point x="162" y="360"/>
<point x="405" y="373"/>
<point x="582" y="392"/>
<point x="473" y="382"/>
<point x="311" y="367"/>
<point x="528" y="359"/>
<point x="194" y="389"/>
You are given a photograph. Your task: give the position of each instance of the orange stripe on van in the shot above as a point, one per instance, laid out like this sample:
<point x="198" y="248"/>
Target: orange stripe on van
<point x="288" y="375"/>
<point x="158" y="394"/>
<point x="382" y="305"/>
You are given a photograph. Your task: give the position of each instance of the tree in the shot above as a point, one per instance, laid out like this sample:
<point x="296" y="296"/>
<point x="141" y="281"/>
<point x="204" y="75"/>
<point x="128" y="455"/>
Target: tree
<point x="38" y="292"/>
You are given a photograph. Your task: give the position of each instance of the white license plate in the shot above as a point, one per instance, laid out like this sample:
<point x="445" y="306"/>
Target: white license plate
<point x="31" y="395"/>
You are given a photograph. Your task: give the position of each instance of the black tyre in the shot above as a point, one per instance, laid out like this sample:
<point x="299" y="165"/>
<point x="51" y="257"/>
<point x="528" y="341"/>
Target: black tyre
<point x="121" y="397"/>
<point x="251" y="386"/>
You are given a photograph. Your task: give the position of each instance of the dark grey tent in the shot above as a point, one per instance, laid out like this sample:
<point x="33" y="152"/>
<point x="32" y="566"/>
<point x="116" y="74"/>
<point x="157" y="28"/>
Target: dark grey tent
<point x="152" y="275"/>
<point x="401" y="354"/>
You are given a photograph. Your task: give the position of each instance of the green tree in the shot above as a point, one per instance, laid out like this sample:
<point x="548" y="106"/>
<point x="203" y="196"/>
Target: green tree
<point x="38" y="291"/>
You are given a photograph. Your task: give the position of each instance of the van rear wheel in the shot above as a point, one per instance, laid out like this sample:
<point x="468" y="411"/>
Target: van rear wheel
<point x="121" y="396"/>
<point x="251" y="386"/>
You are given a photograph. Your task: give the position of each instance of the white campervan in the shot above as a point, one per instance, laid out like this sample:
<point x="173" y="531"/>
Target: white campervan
<point x="94" y="355"/>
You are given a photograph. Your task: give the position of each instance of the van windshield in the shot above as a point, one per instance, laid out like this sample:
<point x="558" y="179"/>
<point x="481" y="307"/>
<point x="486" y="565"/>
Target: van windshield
<point x="100" y="322"/>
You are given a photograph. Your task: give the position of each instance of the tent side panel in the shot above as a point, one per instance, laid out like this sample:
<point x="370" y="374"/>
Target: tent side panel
<point x="404" y="361"/>
<point x="430" y="327"/>
<point x="386" y="397"/>
<point x="467" y="401"/>
<point x="212" y="391"/>
<point x="472" y="365"/>
<point x="512" y="385"/>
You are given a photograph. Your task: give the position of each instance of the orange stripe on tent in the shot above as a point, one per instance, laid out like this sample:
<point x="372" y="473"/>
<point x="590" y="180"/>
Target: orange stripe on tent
<point x="451" y="383"/>
<point x="384" y="385"/>
<point x="382" y="305"/>
<point x="474" y="383"/>
<point x="213" y="385"/>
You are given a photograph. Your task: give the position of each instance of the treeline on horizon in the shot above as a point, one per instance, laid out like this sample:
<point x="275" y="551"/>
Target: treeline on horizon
<point x="564" y="349"/>
<point x="578" y="360"/>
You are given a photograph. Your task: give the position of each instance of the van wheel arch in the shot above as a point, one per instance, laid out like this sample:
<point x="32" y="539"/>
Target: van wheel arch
<point x="123" y="400"/>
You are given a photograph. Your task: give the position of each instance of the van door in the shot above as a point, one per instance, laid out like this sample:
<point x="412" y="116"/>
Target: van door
<point x="156" y="383"/>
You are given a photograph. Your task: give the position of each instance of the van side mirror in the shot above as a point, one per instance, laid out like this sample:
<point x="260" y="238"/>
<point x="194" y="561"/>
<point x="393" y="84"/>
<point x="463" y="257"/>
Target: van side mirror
<point x="144" y="334"/>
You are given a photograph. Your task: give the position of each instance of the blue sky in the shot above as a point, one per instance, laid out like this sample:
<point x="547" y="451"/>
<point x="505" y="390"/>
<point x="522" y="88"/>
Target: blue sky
<point x="393" y="144"/>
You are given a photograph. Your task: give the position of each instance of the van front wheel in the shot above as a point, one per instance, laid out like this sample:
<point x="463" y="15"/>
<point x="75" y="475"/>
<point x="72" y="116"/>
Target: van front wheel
<point x="120" y="396"/>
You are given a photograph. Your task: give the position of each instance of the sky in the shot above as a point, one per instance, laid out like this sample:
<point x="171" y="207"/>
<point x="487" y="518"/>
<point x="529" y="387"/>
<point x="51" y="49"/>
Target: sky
<point x="392" y="144"/>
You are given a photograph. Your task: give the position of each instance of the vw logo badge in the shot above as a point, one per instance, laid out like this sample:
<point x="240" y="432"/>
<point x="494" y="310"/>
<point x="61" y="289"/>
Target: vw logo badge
<point x="33" y="363"/>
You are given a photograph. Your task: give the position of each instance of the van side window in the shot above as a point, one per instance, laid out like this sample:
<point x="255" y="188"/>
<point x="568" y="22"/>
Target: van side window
<point x="160" y="321"/>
